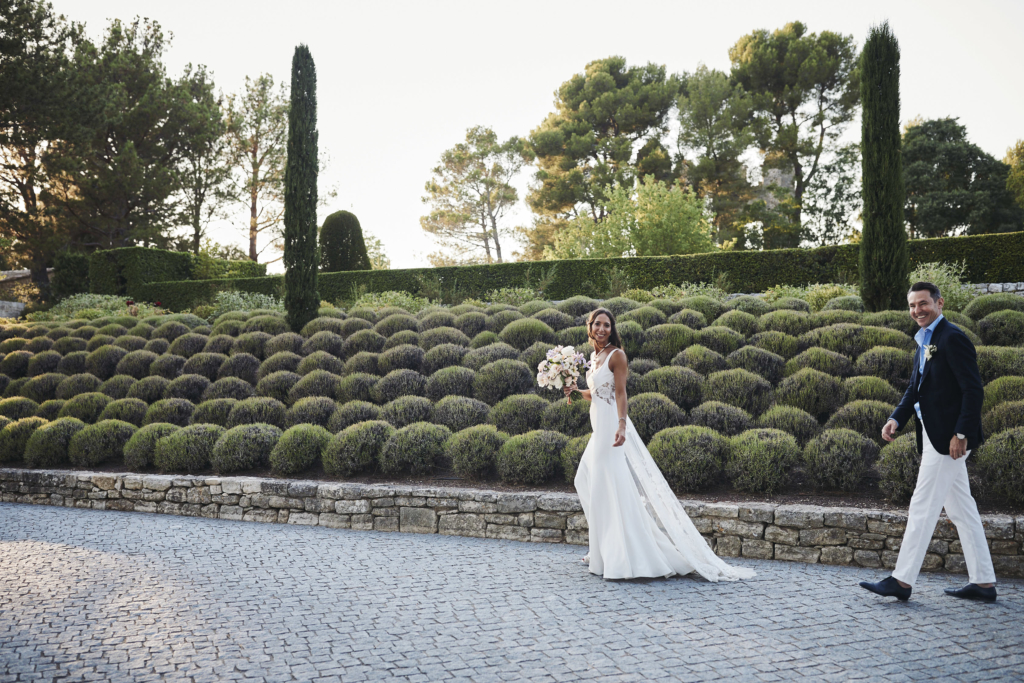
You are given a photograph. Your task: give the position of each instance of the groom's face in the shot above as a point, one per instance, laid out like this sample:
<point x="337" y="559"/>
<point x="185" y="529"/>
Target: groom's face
<point x="923" y="309"/>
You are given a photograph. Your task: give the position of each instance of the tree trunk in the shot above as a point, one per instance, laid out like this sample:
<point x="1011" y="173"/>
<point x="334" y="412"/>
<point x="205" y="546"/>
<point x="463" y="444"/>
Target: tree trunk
<point x="253" y="209"/>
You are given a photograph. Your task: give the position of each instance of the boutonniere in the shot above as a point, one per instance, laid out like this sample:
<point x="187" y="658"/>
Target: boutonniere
<point x="930" y="350"/>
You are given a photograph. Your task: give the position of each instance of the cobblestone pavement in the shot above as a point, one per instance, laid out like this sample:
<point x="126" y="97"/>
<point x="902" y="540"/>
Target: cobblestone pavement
<point x="91" y="595"/>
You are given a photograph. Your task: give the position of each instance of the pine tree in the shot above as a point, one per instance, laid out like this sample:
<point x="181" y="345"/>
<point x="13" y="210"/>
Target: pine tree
<point x="301" y="299"/>
<point x="884" y="261"/>
<point x="342" y="246"/>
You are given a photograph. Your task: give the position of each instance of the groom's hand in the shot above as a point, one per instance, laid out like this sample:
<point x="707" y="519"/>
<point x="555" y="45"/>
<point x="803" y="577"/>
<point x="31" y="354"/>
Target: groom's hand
<point x="957" y="448"/>
<point x="889" y="430"/>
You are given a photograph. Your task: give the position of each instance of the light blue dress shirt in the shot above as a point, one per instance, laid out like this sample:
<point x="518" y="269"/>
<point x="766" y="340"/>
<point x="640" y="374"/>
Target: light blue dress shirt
<point x="923" y="338"/>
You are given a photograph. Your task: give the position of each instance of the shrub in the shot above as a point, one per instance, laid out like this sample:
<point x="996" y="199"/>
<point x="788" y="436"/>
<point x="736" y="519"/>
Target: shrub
<point x="356" y="387"/>
<point x="740" y="388"/>
<point x="14" y="387"/>
<point x="14" y="438"/>
<point x="49" y="410"/>
<point x="277" y="385"/>
<point x="167" y="366"/>
<point x="578" y="305"/>
<point x="485" y="338"/>
<point x="74" y="385"/>
<point x="353" y="412"/>
<point x="352" y="325"/>
<point x="759" y="460"/>
<point x="1002" y="390"/>
<point x="170" y="331"/>
<point x="721" y="417"/>
<point x="228" y="387"/>
<point x="324" y="324"/>
<point x="73" y="363"/>
<point x="812" y="391"/>
<point x="268" y="324"/>
<point x="845" y="303"/>
<point x="356" y="448"/>
<point x="744" y="323"/>
<point x="417" y="448"/>
<point x="99" y="341"/>
<point x="472" y="451"/>
<point x="404" y="357"/>
<point x="641" y="366"/>
<point x="682" y="386"/>
<point x="289" y="342"/>
<point x="66" y="345"/>
<point x="572" y="336"/>
<point x="230" y="328"/>
<point x="535" y="354"/>
<point x="834" y="317"/>
<point x="44" y="387"/>
<point x="130" y="410"/>
<point x="533" y="306"/>
<point x="460" y="412"/>
<point x="995" y="362"/>
<point x="691" y="457"/>
<point x="651" y="413"/>
<point x="215" y="411"/>
<point x="113" y="330"/>
<point x="1001" y="466"/>
<point x="633" y="337"/>
<point x="518" y="414"/>
<point x="665" y="342"/>
<point x="987" y="304"/>
<point x="699" y="359"/>
<point x="530" y="458"/>
<point x="363" y="340"/>
<point x="502" y="378"/>
<point x="521" y="334"/>
<point x="189" y="387"/>
<point x="442" y="356"/>
<point x="864" y="388"/>
<point x="140" y="450"/>
<point x="189" y="449"/>
<point x="101" y="442"/>
<point x="188" y="345"/>
<point x="103" y="361"/>
<point x="397" y="323"/>
<point x="645" y="316"/>
<point x="280" y="361"/>
<point x="176" y="411"/>
<point x="118" y="386"/>
<point x="324" y="342"/>
<point x="322" y="361"/>
<point x="791" y="303"/>
<point x="48" y="444"/>
<point x="793" y="323"/>
<point x="693" y="319"/>
<point x="471" y="323"/>
<point x="205" y="364"/>
<point x="886" y="363"/>
<point x="397" y="383"/>
<point x="365" y="362"/>
<point x="400" y="338"/>
<point x="844" y="338"/>
<point x="754" y="305"/>
<point x="892" y="320"/>
<point x="243" y="366"/>
<point x="14" y="344"/>
<point x="724" y="340"/>
<point x="244" y="447"/>
<point x="136" y="364"/>
<point x="705" y="305"/>
<point x="823" y="360"/>
<point x="1002" y="328"/>
<point x="316" y="410"/>
<point x="299" y="448"/>
<point x="315" y="383"/>
<point x="837" y="459"/>
<point x="1004" y="416"/>
<point x="758" y="361"/>
<point x="619" y="305"/>
<point x="571" y="419"/>
<point x="571" y="455"/>
<point x="898" y="465"/>
<point x="406" y="410"/>
<point x="86" y="407"/>
<point x="881" y="336"/>
<point x="257" y="410"/>
<point x="478" y="358"/>
<point x="442" y="335"/>
<point x="497" y="321"/>
<point x="42" y="363"/>
<point x="219" y="343"/>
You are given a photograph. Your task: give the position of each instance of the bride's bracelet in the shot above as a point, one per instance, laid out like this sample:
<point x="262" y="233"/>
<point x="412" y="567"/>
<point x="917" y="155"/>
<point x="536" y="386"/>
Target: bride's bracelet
<point x="622" y="419"/>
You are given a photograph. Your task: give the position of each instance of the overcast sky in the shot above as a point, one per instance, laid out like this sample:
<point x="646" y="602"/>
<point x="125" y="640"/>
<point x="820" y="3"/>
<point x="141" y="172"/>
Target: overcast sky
<point x="400" y="82"/>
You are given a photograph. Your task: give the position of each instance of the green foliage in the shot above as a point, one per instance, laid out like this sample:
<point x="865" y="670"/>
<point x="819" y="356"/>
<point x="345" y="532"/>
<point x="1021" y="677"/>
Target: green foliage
<point x="136" y="364"/>
<point x="280" y="361"/>
<point x="698" y="358"/>
<point x="99" y="443"/>
<point x="518" y="414"/>
<point x="687" y="316"/>
<point x="353" y="412"/>
<point x="898" y="465"/>
<point x="502" y="378"/>
<point x="44" y="387"/>
<point x="130" y="410"/>
<point x="867" y="388"/>
<point x="949" y="278"/>
<point x="189" y="387"/>
<point x="321" y="361"/>
<point x="81" y="383"/>
<point x="571" y="455"/>
<point x="443" y="356"/>
<point x="571" y="419"/>
<point x="778" y="343"/>
<point x="176" y="411"/>
<point x="341" y="244"/>
<point x="406" y="410"/>
<point x="530" y="458"/>
<point x="886" y="363"/>
<point x="403" y="357"/>
<point x="215" y="411"/>
<point x="651" y="412"/>
<point x="823" y="360"/>
<point x="357" y="448"/>
<point x="460" y="412"/>
<point x="363" y="340"/>
<point x="256" y="410"/>
<point x="140" y="450"/>
<point x="845" y="303"/>
<point x="378" y="299"/>
<point x="793" y="323"/>
<point x="987" y="304"/>
<point x="812" y="391"/>
<point x="682" y="386"/>
<point x="521" y="334"/>
<point x="70" y="274"/>
<point x="14" y="438"/>
<point x="417" y="448"/>
<point x="740" y="388"/>
<point x="1002" y="390"/>
<point x="398" y="383"/>
<point x="744" y="323"/>
<point x="43" y="362"/>
<point x="1001" y="466"/>
<point x="188" y="449"/>
<point x="760" y="459"/>
<point x="86" y="407"/>
<point x="723" y="418"/>
<point x="312" y="410"/>
<point x="243" y="366"/>
<point x="205" y="364"/>
<point x="357" y="387"/>
<point x="766" y="364"/>
<point x="691" y="457"/>
<point x="791" y="420"/>
<point x="117" y="386"/>
<point x="48" y="443"/>
<point x="1002" y="328"/>
<point x="664" y="342"/>
<point x="723" y="340"/>
<point x="472" y="450"/>
<point x="1004" y="416"/>
<point x="837" y="459"/>
<point x="277" y="385"/>
<point x="790" y="303"/>
<point x="315" y="383"/>
<point x="289" y="342"/>
<point x="103" y="361"/>
<point x="396" y="323"/>
<point x="299" y="448"/>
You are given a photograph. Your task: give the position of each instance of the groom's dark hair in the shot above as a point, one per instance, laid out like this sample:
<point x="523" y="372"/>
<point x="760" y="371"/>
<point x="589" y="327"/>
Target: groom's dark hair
<point x="926" y="287"/>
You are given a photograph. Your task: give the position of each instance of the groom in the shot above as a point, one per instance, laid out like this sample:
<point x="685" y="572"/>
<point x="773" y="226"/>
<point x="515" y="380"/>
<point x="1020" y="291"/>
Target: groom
<point x="945" y="394"/>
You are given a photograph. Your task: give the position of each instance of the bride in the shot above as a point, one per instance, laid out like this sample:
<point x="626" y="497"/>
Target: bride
<point x="638" y="527"/>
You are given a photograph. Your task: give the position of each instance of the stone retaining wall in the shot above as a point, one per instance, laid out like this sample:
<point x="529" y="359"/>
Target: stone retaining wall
<point x="799" y="533"/>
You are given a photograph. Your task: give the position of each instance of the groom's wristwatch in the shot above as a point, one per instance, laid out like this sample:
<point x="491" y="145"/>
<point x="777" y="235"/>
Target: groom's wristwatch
<point x="961" y="436"/>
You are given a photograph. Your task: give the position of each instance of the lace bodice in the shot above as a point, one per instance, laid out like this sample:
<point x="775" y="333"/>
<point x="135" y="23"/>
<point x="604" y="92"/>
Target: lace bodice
<point x="601" y="383"/>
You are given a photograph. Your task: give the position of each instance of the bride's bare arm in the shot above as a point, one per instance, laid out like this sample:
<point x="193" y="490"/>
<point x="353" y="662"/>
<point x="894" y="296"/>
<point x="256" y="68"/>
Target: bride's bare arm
<point x="618" y="364"/>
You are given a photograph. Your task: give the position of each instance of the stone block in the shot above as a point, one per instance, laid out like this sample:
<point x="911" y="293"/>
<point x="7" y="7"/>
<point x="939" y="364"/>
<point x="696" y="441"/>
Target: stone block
<point x="191" y="510"/>
<point x="231" y="486"/>
<point x="703" y="524"/>
<point x="721" y="510"/>
<point x="757" y="512"/>
<point x="352" y="507"/>
<point x="199" y="495"/>
<point x="418" y="520"/>
<point x="98" y="505"/>
<point x="894" y="543"/>
<point x="799" y="517"/>
<point x="889" y="559"/>
<point x="797" y="554"/>
<point x="1004" y="547"/>
<point x="877" y="526"/>
<point x="274" y="487"/>
<point x="831" y="536"/>
<point x="955" y="547"/>
<point x="545" y="535"/>
<point x="282" y="516"/>
<point x="693" y="508"/>
<point x="225" y="499"/>
<point x="777" y="534"/>
<point x="1009" y="565"/>
<point x="509" y="533"/>
<point x="318" y="505"/>
<point x="156" y="482"/>
<point x="462" y="524"/>
<point x="104" y="482"/>
<point x="304" y="518"/>
<point x="384" y="512"/>
<point x="183" y="482"/>
<point x="387" y="501"/>
<point x="259" y="515"/>
<point x="577" y="537"/>
<point x="847" y="518"/>
<point x="362" y="522"/>
<point x="258" y="500"/>
<point x="725" y="526"/>
<point x="729" y="546"/>
<point x="867" y="558"/>
<point x="121" y="505"/>
<point x="931" y="563"/>
<point x="302" y="489"/>
<point x="761" y="550"/>
<point x="175" y="495"/>
<point x="334" y="521"/>
<point x="998" y="526"/>
<point x="938" y="546"/>
<point x="476" y="507"/>
<point x="836" y="554"/>
<point x="132" y="482"/>
<point x="866" y="542"/>
<point x="955" y="563"/>
<point x="385" y="523"/>
<point x="548" y="520"/>
<point x="143" y="506"/>
<point x="502" y="519"/>
<point x="524" y="519"/>
<point x="283" y="502"/>
<point x="232" y="512"/>
<point x="410" y="501"/>
<point x="516" y="502"/>
<point x="168" y="508"/>
<point x="559" y="502"/>
<point x="330" y="491"/>
<point x="252" y="485"/>
<point x="577" y="522"/>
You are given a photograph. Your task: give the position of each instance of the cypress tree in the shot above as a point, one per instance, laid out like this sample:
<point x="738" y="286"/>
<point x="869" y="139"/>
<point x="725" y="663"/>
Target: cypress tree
<point x="301" y="299"/>
<point x="341" y="244"/>
<point x="884" y="261"/>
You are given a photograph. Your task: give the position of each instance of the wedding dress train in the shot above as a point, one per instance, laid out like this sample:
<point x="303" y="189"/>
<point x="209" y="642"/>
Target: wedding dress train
<point x="638" y="528"/>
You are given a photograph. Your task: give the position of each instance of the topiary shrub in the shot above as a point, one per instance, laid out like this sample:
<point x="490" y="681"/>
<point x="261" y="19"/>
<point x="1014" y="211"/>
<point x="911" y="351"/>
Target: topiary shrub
<point x="837" y="459"/>
<point x="645" y="316"/>
<point x="996" y="361"/>
<point x="1002" y="390"/>
<point x="502" y="378"/>
<point x="66" y="345"/>
<point x="522" y="334"/>
<point x="187" y="450"/>
<point x="48" y="444"/>
<point x="664" y="342"/>
<point x="723" y="340"/>
<point x="220" y="343"/>
<point x="118" y="386"/>
<point x="242" y="366"/>
<point x="705" y="305"/>
<point x="483" y="339"/>
<point x="299" y="448"/>
<point x="188" y="345"/>
<point x="572" y="336"/>
<point x="754" y="305"/>
<point x="140" y="450"/>
<point x="881" y="336"/>
<point x="268" y="324"/>
<point x="404" y="357"/>
<point x="400" y="338"/>
<point x="397" y="323"/>
<point x="230" y="328"/>
<point x="535" y="354"/>
<point x="280" y="361"/>
<point x="189" y="387"/>
<point x="356" y="448"/>
<point x="136" y="364"/>
<point x="365" y="362"/>
<point x="988" y="304"/>
<point x="215" y="411"/>
<point x="791" y="303"/>
<point x="228" y="387"/>
<point x="887" y="363"/>
<point x="823" y="360"/>
<point x="113" y="330"/>
<point x="315" y="383"/>
<point x="518" y="414"/>
<point x="176" y="411"/>
<point x="13" y="388"/>
<point x="1001" y="467"/>
<point x="699" y="359"/>
<point x="397" y="383"/>
<point x="471" y="324"/>
<point x="14" y="438"/>
<point x="324" y="342"/>
<point x="618" y="305"/>
<point x="578" y="305"/>
<point x="845" y="303"/>
<point x="316" y="410"/>
<point x="530" y="458"/>
<point x="741" y="322"/>
<point x="1003" y="416"/>
<point x="325" y="324"/>
<point x="799" y="423"/>
<point x="898" y="465"/>
<point x="641" y="366"/>
<point x="740" y="388"/>
<point x="170" y="331"/>
<point x="363" y="340"/>
<point x="472" y="451"/>
<point x="354" y="324"/>
<point x="793" y="323"/>
<point x="460" y="412"/>
<point x="417" y="448"/>
<point x="651" y="413"/>
<point x="353" y="412"/>
<point x="49" y="410"/>
<point x="869" y="388"/>
<point x="320" y="360"/>
<point x="43" y="362"/>
<point x="37" y="345"/>
<point x="682" y="386"/>
<point x="130" y="410"/>
<point x="723" y="418"/>
<point x="74" y="385"/>
<point x="44" y="387"/>
<point x="73" y="363"/>
<point x="257" y="410"/>
<point x="356" y="387"/>
<point x="1002" y="328"/>
<point x="759" y="460"/>
<point x="277" y="385"/>
<point x="571" y="419"/>
<point x="837" y="317"/>
<point x="763" y="363"/>
<point x="287" y="341"/>
<point x="101" y="442"/>
<point x="103" y="361"/>
<point x="442" y="356"/>
<point x="168" y="366"/>
<point x="695" y="320"/>
<point x="478" y="358"/>
<point x="812" y="391"/>
<point x="691" y="457"/>
<point x="534" y="306"/>
<point x="497" y="321"/>
<point x="86" y="407"/>
<point x="14" y="344"/>
<point x="406" y="410"/>
<point x="571" y="455"/>
<point x="99" y="341"/>
<point x="863" y="417"/>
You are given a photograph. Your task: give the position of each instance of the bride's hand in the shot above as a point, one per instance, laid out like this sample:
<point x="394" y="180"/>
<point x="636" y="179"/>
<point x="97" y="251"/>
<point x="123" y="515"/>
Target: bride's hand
<point x="620" y="435"/>
<point x="568" y="390"/>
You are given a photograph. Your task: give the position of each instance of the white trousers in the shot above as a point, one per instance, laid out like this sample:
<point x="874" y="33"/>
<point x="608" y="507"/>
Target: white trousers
<point x="942" y="483"/>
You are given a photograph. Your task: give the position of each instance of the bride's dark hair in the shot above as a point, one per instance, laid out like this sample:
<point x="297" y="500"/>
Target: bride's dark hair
<point x="613" y="338"/>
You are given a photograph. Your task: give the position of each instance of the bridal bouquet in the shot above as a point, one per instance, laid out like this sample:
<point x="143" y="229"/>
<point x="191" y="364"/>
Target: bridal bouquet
<point x="562" y="368"/>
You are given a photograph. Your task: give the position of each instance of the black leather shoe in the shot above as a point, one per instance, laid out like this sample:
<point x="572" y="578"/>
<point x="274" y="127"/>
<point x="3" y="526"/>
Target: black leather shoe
<point x="973" y="591"/>
<point x="888" y="587"/>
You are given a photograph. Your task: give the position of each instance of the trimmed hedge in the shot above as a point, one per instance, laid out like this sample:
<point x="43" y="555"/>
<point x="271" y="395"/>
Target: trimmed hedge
<point x="740" y="388"/>
<point x="691" y="457"/>
<point x="189" y="449"/>
<point x="837" y="459"/>
<point x="812" y="391"/>
<point x="417" y="448"/>
<point x="460" y="412"/>
<point x="571" y="419"/>
<point x="100" y="442"/>
<point x="48" y="444"/>
<point x="502" y="378"/>
<point x="356" y="448"/>
<point x="14" y="438"/>
<point x="86" y="407"/>
<point x="682" y="386"/>
<point x="244" y="447"/>
<point x="518" y="414"/>
<point x="760" y="459"/>
<point x="898" y="465"/>
<point x="406" y="410"/>
<point x="299" y="448"/>
<point x="725" y="419"/>
<point x="472" y="450"/>
<point x="1000" y="462"/>
<point x="530" y="458"/>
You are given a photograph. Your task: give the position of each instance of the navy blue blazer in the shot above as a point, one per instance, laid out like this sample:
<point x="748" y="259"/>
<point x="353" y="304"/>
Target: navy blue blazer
<point x="951" y="391"/>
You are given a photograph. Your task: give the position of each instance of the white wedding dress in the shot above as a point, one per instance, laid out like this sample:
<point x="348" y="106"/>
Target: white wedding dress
<point x="638" y="528"/>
